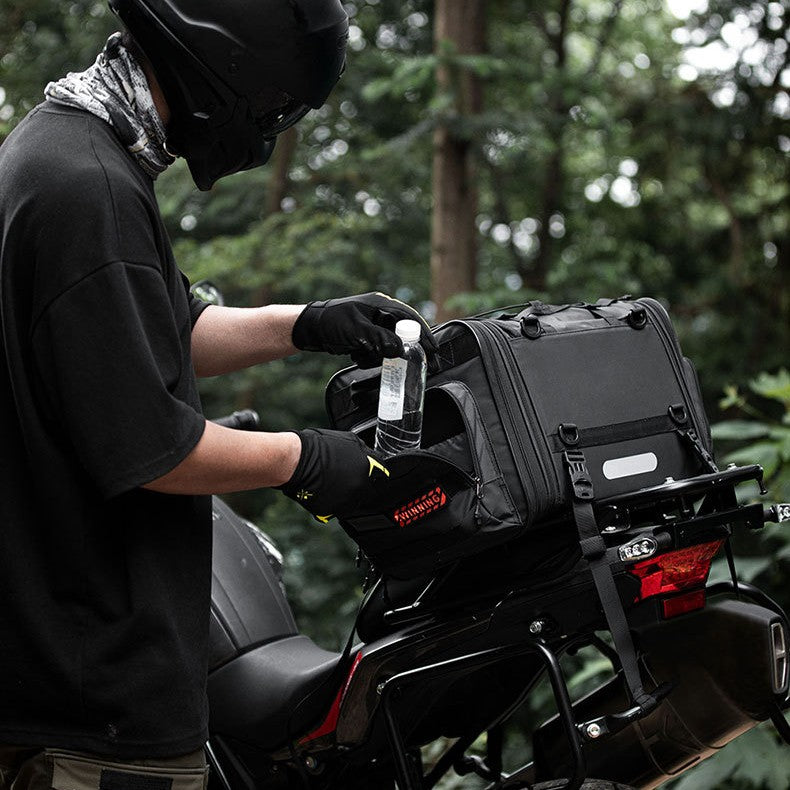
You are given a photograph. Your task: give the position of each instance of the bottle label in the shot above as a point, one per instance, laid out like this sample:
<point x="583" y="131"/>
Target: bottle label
<point x="393" y="389"/>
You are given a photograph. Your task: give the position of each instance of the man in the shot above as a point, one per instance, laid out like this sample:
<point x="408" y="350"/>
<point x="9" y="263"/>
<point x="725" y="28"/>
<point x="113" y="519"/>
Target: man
<point x="105" y="458"/>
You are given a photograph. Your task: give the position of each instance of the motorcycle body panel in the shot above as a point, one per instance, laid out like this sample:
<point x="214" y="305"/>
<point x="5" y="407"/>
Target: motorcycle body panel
<point x="287" y="714"/>
<point x="248" y="602"/>
<point x="720" y="661"/>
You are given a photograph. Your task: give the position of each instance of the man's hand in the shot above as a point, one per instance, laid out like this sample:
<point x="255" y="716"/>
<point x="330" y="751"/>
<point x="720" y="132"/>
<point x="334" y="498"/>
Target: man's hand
<point x="362" y="326"/>
<point x="334" y="473"/>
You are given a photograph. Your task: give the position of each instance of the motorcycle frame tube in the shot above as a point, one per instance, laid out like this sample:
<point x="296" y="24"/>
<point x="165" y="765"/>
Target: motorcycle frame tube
<point x="457" y="750"/>
<point x="404" y="774"/>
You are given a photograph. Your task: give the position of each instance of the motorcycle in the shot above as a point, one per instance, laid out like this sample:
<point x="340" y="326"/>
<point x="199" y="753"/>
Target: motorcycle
<point x="453" y="655"/>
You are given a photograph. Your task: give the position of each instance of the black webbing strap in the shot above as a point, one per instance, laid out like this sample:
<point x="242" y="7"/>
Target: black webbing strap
<point x="594" y="551"/>
<point x="614" y="432"/>
<point x="689" y="435"/>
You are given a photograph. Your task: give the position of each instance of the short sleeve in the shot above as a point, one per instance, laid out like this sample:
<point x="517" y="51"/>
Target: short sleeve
<point x="117" y="378"/>
<point x="196" y="306"/>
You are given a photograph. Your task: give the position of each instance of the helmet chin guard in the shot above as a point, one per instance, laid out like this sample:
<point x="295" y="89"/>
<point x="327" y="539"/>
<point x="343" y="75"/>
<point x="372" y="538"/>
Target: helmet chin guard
<point x="231" y="149"/>
<point x="235" y="75"/>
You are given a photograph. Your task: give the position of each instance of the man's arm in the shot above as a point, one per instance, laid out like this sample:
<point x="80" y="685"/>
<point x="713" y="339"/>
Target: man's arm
<point x="226" y="460"/>
<point x="230" y="338"/>
<point x="327" y="472"/>
<point x="225" y="339"/>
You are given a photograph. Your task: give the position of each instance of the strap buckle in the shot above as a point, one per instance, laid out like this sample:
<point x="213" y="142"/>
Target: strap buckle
<point x="579" y="474"/>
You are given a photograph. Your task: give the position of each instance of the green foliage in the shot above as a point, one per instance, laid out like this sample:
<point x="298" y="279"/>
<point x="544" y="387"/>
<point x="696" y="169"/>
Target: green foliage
<point x="408" y="74"/>
<point x="765" y="438"/>
<point x="755" y="760"/>
<point x="760" y="434"/>
<point x="39" y="41"/>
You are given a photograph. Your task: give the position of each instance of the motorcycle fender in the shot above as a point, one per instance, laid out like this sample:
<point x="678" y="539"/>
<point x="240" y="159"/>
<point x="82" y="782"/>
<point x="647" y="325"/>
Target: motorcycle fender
<point x="722" y="662"/>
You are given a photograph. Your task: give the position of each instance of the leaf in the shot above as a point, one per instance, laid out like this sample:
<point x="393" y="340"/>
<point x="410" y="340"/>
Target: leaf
<point x="764" y="453"/>
<point x="746" y="568"/>
<point x="776" y="387"/>
<point x="781" y="436"/>
<point x="591" y="670"/>
<point x="756" y="759"/>
<point x="482" y="65"/>
<point x="409" y="74"/>
<point x="739" y="430"/>
<point x="779" y="486"/>
<point x="732" y="398"/>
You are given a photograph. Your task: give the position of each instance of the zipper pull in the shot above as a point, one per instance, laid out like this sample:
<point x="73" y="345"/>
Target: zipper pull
<point x="478" y="498"/>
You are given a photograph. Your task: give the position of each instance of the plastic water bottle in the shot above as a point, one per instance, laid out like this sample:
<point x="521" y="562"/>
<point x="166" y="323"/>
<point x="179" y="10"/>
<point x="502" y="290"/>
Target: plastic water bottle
<point x="401" y="394"/>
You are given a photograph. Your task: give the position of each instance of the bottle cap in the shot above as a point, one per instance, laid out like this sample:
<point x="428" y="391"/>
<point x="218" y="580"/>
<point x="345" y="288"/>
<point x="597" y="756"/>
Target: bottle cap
<point x="407" y="330"/>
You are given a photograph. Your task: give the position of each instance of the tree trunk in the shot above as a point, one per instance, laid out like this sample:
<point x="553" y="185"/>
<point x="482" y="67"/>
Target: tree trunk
<point x="551" y="198"/>
<point x="737" y="271"/>
<point x="453" y="231"/>
<point x="280" y="164"/>
<point x="276" y="190"/>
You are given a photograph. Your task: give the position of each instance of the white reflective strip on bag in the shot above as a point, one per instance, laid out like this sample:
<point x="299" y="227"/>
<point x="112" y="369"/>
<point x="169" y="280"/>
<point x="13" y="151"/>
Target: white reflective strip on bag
<point x="630" y="465"/>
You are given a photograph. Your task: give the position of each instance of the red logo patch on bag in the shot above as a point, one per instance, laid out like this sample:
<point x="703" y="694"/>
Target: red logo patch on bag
<point x="421" y="507"/>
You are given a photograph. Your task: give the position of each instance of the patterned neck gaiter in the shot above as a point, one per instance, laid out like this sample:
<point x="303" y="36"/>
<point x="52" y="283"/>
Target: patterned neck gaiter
<point x="115" y="89"/>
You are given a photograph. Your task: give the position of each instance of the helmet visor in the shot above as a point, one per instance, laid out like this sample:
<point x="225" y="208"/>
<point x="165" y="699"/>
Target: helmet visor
<point x="275" y="111"/>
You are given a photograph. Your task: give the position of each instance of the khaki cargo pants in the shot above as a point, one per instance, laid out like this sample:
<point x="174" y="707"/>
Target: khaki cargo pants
<point x="54" y="769"/>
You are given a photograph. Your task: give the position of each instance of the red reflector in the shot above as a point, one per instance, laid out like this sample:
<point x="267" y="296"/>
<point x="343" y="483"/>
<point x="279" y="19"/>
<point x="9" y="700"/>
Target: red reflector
<point x="675" y="571"/>
<point x="680" y="604"/>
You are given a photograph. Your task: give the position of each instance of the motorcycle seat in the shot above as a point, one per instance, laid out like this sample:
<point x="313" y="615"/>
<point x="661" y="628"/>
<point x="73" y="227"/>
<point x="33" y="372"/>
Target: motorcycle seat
<point x="273" y="693"/>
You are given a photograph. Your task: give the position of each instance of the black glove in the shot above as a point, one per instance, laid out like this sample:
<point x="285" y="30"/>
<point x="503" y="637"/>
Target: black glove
<point x="362" y="326"/>
<point x="335" y="471"/>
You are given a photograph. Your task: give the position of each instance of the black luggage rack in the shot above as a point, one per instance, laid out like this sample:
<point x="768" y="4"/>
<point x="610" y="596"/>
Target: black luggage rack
<point x="717" y="488"/>
<point x="676" y="513"/>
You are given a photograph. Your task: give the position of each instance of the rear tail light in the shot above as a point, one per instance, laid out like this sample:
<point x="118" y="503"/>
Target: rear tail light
<point x="680" y="574"/>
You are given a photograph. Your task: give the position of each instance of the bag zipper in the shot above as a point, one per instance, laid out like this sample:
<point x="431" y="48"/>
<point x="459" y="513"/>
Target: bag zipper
<point x="474" y="479"/>
<point x="542" y="451"/>
<point x="478" y="476"/>
<point x="531" y="493"/>
<point x="671" y="345"/>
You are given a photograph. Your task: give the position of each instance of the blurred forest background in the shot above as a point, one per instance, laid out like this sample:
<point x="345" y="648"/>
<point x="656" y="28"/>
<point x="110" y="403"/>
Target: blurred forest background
<point x="477" y="154"/>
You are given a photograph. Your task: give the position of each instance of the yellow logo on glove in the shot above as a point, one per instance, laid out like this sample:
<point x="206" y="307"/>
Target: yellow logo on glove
<point x="323" y="519"/>
<point x="374" y="464"/>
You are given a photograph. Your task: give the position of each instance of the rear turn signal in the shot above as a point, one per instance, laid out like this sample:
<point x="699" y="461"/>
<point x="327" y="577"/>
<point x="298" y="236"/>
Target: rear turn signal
<point x="680" y="574"/>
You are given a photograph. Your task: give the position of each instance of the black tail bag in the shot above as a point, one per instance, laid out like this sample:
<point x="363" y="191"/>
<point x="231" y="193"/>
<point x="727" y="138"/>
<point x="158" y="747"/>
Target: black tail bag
<point x="515" y="401"/>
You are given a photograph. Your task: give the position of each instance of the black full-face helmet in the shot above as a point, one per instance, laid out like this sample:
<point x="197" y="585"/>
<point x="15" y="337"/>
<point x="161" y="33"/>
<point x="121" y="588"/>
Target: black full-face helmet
<point x="236" y="73"/>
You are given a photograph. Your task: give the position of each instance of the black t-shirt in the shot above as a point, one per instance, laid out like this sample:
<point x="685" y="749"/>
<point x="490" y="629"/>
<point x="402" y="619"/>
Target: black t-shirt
<point x="104" y="586"/>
